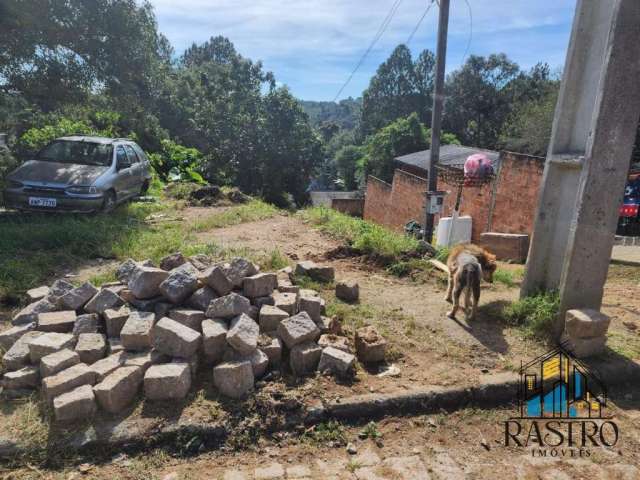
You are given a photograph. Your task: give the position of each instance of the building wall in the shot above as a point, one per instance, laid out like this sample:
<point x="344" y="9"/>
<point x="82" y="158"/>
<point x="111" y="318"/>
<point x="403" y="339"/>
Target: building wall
<point x="350" y="206"/>
<point x="507" y="205"/>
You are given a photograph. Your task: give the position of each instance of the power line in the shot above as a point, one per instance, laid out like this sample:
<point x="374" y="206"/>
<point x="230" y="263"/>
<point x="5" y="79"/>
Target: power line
<point x="470" y="31"/>
<point x="419" y="22"/>
<point x="378" y="35"/>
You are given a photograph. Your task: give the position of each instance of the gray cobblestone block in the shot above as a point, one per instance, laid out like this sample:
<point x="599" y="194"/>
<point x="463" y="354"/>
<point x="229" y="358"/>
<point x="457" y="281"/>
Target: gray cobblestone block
<point x="175" y="340"/>
<point x="105" y="299"/>
<point x="91" y="347"/>
<point x="50" y="342"/>
<point x="137" y="332"/>
<point x="67" y="380"/>
<point x="77" y="404"/>
<point x="58" y="361"/>
<point x="298" y="329"/>
<point x="234" y="379"/>
<point x="60" y="322"/>
<point x="229" y="306"/>
<point x="169" y="381"/>
<point x="78" y="297"/>
<point x="119" y="389"/>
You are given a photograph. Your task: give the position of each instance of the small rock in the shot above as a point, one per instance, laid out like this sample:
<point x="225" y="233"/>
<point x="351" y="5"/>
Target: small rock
<point x="60" y="322"/>
<point x="270" y="318"/>
<point x="58" y="361"/>
<point x="287" y="302"/>
<point x="335" y="341"/>
<point x="298" y="329"/>
<point x="214" y="339"/>
<point x="169" y="381"/>
<point x="351" y="449"/>
<point x="336" y="361"/>
<point x="118" y="389"/>
<point x="172" y="261"/>
<point x="239" y="268"/>
<point x="91" y="347"/>
<point x="259" y="285"/>
<point x="88" y="323"/>
<point x="272" y="347"/>
<point x="49" y="343"/>
<point x="104" y="367"/>
<point x="243" y="334"/>
<point x="174" y="339"/>
<point x="136" y="333"/>
<point x="115" y="320"/>
<point x="67" y="380"/>
<point x="180" y="284"/>
<point x="77" y="404"/>
<point x="30" y="313"/>
<point x="17" y="356"/>
<point x="201" y="298"/>
<point x="234" y="379"/>
<point x="144" y="282"/>
<point x="104" y="300"/>
<point x="27" y="377"/>
<point x="228" y="306"/>
<point x="215" y="278"/>
<point x="316" y="272"/>
<point x="125" y="270"/>
<point x="78" y="297"/>
<point x="304" y="358"/>
<point x="370" y="345"/>
<point x="348" y="291"/>
<point x="12" y="335"/>
<point x="36" y="294"/>
<point x="189" y="318"/>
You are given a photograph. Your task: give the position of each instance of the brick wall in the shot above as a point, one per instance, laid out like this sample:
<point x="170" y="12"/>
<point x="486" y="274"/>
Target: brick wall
<point x="516" y="197"/>
<point x="350" y="206"/>
<point x="377" y="198"/>
<point x="507" y="205"/>
<point x="396" y="204"/>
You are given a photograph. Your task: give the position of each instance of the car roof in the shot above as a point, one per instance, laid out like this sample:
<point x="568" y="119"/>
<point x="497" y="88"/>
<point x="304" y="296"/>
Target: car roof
<point x="95" y="139"/>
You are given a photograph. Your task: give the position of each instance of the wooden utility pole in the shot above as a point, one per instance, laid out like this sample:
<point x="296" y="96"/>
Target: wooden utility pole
<point x="436" y="115"/>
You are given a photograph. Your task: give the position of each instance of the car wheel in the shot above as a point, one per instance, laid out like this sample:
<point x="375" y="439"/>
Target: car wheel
<point x="145" y="188"/>
<point x="109" y="202"/>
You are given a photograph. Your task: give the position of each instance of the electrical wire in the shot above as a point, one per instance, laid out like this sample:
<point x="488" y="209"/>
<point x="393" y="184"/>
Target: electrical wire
<point x="464" y="57"/>
<point x="419" y="22"/>
<point x="378" y="35"/>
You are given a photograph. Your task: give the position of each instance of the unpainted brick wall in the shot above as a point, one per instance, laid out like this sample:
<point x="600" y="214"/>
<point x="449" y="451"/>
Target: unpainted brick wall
<point x="350" y="206"/>
<point x="397" y="204"/>
<point x="514" y="192"/>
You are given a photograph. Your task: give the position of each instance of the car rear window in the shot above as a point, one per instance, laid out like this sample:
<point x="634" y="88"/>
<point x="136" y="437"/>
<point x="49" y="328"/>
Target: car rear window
<point x="75" y="152"/>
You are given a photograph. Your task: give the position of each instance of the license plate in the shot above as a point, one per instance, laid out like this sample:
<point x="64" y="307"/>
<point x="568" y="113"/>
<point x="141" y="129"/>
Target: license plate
<point x="42" y="202"/>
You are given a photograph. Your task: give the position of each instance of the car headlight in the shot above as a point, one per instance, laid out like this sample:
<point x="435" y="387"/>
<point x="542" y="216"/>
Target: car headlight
<point x="82" y="190"/>
<point x="14" y="184"/>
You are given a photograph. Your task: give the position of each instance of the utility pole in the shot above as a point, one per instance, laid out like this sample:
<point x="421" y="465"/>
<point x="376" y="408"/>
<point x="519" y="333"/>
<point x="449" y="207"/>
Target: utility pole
<point x="436" y="115"/>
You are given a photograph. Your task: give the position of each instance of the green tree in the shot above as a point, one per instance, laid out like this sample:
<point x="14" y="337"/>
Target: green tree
<point x="399" y="88"/>
<point x="347" y="161"/>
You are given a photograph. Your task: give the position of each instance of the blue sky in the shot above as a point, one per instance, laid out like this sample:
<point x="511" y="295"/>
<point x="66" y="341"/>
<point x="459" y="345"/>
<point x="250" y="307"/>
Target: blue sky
<point x="312" y="45"/>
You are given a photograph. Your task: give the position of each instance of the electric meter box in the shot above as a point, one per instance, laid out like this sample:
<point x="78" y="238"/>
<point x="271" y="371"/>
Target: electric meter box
<point x="435" y="202"/>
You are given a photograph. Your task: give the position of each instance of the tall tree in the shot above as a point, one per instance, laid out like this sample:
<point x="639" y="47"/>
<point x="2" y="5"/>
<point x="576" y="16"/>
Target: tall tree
<point x="399" y="88"/>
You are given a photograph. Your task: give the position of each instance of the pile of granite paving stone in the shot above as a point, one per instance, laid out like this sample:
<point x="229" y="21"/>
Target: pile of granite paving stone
<point x="87" y="347"/>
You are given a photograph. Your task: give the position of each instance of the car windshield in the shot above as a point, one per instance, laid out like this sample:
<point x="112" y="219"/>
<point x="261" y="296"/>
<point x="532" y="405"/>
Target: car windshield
<point x="80" y="153"/>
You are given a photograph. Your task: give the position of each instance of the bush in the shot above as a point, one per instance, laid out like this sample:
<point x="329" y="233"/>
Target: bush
<point x="177" y="163"/>
<point x="7" y="163"/>
<point x="535" y="314"/>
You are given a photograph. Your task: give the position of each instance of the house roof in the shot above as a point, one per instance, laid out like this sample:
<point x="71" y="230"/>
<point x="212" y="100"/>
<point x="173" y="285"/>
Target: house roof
<point x="449" y="155"/>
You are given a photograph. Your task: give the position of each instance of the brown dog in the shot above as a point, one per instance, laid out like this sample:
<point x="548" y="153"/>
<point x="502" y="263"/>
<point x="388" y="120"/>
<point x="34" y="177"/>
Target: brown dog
<point x="468" y="264"/>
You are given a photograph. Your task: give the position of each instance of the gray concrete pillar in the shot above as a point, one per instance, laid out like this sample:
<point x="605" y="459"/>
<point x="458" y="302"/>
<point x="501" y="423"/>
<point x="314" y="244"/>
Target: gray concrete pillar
<point x="588" y="159"/>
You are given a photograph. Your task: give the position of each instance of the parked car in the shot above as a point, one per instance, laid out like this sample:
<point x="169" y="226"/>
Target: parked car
<point x="629" y="213"/>
<point x="79" y="174"/>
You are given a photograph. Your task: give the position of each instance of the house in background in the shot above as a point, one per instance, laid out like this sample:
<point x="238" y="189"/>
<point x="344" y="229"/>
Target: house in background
<point x="502" y="212"/>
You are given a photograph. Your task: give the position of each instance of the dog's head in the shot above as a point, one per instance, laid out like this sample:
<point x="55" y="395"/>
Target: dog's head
<point x="488" y="266"/>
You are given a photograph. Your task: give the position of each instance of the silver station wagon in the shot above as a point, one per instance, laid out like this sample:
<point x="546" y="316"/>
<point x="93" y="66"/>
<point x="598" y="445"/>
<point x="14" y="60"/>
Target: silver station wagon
<point x="79" y="174"/>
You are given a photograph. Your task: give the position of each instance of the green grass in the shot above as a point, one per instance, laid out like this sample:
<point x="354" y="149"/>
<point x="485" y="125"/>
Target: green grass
<point x="34" y="247"/>
<point x="326" y="432"/>
<point x="505" y="277"/>
<point x="534" y="314"/>
<point x="366" y="237"/>
<point x="251" y="211"/>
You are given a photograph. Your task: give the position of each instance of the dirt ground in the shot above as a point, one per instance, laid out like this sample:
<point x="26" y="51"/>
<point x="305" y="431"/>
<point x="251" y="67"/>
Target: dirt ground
<point x="467" y="444"/>
<point x="427" y="349"/>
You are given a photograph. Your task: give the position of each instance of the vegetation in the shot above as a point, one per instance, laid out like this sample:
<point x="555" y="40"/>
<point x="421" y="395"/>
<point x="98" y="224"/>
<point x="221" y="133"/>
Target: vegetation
<point x="323" y="433"/>
<point x="535" y="313"/>
<point x="365" y="237"/>
<point x="34" y="247"/>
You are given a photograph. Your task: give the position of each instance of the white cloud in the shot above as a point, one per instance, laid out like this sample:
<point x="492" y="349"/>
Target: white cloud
<point x="313" y="44"/>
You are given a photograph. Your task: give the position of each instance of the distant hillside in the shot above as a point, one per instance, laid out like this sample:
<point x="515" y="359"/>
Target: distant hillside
<point x="345" y="113"/>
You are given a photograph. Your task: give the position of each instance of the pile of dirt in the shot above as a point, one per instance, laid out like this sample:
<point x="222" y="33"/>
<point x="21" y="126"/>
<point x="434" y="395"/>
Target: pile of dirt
<point x="197" y="195"/>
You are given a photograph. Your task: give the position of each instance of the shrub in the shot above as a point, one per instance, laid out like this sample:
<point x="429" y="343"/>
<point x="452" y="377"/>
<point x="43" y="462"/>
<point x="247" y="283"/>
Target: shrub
<point x="7" y="163"/>
<point x="535" y="313"/>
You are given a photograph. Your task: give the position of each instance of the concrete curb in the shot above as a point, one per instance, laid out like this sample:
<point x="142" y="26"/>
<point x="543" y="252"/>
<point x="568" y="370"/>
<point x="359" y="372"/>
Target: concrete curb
<point x="500" y="390"/>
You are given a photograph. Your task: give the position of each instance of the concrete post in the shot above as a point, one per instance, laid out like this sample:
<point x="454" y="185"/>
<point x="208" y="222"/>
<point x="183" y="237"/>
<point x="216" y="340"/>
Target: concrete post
<point x="588" y="159"/>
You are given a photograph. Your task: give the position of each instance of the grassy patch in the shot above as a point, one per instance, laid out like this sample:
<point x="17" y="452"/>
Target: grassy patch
<point x="535" y="314"/>
<point x="249" y="212"/>
<point x="102" y="278"/>
<point x="505" y="277"/>
<point x="624" y="343"/>
<point x="366" y="237"/>
<point x="326" y="432"/>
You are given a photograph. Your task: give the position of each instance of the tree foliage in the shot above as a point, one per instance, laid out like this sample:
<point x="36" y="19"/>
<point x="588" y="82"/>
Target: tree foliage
<point x="399" y="88"/>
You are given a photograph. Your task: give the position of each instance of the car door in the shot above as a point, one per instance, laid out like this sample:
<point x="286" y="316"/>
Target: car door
<point x="136" y="169"/>
<point x="124" y="178"/>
